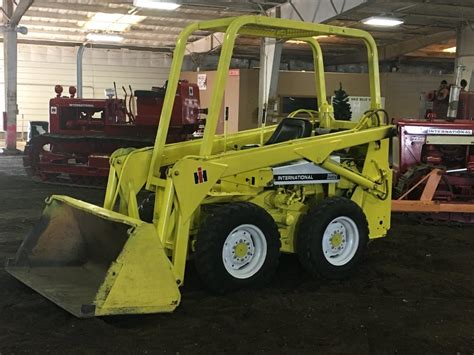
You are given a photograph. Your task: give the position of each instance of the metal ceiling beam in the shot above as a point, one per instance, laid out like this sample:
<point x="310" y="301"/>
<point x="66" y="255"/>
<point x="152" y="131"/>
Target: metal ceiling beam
<point x="206" y="44"/>
<point x="20" y="10"/>
<point x="171" y="21"/>
<point x="400" y="3"/>
<point x="84" y="10"/>
<point x="79" y="39"/>
<point x="420" y="12"/>
<point x="230" y="5"/>
<point x="316" y="11"/>
<point x="395" y="50"/>
<point x="162" y="49"/>
<point x="67" y="30"/>
<point x="182" y="14"/>
<point x="36" y="12"/>
<point x="138" y="29"/>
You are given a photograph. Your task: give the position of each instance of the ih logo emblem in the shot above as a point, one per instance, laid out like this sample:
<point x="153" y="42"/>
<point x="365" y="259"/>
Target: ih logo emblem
<point x="200" y="176"/>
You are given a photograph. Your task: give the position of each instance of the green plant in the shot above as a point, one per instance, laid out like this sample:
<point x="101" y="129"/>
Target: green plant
<point x="340" y="102"/>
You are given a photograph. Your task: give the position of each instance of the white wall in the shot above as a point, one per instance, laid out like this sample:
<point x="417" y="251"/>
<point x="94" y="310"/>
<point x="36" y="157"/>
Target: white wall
<point x="403" y="91"/>
<point x="40" y="68"/>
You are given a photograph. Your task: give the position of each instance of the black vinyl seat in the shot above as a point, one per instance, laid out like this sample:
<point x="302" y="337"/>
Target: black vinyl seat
<point x="152" y="94"/>
<point x="290" y="128"/>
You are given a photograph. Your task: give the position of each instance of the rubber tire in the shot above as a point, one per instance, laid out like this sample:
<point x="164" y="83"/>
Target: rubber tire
<point x="310" y="235"/>
<point x="219" y="221"/>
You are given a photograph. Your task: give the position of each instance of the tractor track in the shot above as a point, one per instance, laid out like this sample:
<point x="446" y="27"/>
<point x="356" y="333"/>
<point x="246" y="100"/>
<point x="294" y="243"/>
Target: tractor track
<point x="99" y="143"/>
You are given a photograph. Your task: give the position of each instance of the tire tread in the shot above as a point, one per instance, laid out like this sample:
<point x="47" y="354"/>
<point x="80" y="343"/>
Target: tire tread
<point x="312" y="224"/>
<point x="211" y="236"/>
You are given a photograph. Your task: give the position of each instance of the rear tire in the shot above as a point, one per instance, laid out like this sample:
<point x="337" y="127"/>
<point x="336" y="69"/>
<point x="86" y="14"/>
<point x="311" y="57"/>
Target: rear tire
<point x="333" y="237"/>
<point x="237" y="246"/>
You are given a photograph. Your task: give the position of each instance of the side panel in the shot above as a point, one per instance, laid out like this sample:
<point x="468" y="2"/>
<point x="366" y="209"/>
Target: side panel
<point x="377" y="209"/>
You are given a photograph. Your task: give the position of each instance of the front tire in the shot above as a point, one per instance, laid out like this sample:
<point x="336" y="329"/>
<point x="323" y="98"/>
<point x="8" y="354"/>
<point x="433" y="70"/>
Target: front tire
<point x="333" y="237"/>
<point x="237" y="246"/>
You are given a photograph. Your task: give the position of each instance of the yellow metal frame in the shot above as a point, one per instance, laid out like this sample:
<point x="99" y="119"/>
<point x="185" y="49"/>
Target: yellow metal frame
<point x="260" y="27"/>
<point x="145" y="275"/>
<point x="228" y="168"/>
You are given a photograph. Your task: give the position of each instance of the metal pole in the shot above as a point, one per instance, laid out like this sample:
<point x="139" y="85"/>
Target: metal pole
<point x="10" y="47"/>
<point x="465" y="54"/>
<point x="10" y="72"/>
<point x="80" y="52"/>
<point x="270" y="58"/>
<point x="454" y="93"/>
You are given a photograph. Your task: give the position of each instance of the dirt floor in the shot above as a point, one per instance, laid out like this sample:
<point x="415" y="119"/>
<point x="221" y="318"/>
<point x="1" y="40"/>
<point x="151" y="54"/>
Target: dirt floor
<point x="413" y="294"/>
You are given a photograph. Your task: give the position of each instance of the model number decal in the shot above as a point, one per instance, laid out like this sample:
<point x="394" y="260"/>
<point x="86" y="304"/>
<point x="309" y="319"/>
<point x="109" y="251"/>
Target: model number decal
<point x="417" y="138"/>
<point x="305" y="177"/>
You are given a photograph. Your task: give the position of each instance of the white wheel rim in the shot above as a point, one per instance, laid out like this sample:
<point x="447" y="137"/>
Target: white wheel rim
<point x="244" y="251"/>
<point x="340" y="241"/>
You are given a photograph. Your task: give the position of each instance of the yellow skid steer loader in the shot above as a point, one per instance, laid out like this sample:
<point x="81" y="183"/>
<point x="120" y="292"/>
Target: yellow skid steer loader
<point x="311" y="185"/>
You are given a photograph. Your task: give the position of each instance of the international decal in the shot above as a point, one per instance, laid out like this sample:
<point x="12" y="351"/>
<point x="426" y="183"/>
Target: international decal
<point x="200" y="176"/>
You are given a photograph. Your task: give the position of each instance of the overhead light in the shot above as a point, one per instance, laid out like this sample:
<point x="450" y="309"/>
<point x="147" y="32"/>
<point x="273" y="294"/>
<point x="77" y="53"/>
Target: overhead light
<point x="103" y="37"/>
<point x="295" y="41"/>
<point x="158" y="4"/>
<point x="450" y="50"/>
<point x="112" y="22"/>
<point x="382" y="21"/>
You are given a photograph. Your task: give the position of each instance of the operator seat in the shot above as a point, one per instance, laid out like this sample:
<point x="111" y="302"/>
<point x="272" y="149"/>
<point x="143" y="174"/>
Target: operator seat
<point x="290" y="128"/>
<point x="149" y="94"/>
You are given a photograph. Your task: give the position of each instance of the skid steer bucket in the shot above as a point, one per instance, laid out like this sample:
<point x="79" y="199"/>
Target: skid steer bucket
<point x="91" y="261"/>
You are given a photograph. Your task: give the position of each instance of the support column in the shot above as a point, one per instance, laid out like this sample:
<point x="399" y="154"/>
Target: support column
<point x="79" y="83"/>
<point x="270" y="57"/>
<point x="10" y="36"/>
<point x="465" y="54"/>
<point x="10" y="76"/>
<point x="10" y="73"/>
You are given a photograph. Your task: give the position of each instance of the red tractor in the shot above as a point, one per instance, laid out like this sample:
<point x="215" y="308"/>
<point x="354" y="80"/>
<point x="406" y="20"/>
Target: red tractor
<point x="434" y="161"/>
<point x="84" y="132"/>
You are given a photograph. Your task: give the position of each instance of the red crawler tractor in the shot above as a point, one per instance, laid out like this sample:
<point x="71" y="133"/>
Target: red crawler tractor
<point x="84" y="132"/>
<point x="434" y="162"/>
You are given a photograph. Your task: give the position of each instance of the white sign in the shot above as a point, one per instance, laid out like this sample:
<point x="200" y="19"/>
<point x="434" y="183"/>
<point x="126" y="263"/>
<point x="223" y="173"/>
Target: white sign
<point x="452" y="132"/>
<point x="202" y="81"/>
<point x="359" y="104"/>
<point x="437" y="131"/>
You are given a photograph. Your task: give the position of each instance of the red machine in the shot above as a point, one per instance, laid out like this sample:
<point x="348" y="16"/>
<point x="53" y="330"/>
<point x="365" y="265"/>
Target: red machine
<point x="434" y="163"/>
<point x="84" y="132"/>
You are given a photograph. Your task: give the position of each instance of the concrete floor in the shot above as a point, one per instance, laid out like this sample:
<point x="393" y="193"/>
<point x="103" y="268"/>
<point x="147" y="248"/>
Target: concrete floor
<point x="414" y="294"/>
<point x="20" y="144"/>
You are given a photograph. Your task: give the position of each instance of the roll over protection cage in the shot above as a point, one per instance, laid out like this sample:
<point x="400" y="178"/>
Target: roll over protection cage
<point x="260" y="27"/>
